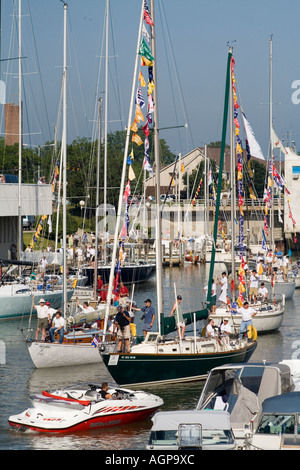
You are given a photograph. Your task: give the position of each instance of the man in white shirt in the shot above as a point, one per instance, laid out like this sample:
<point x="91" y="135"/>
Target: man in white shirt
<point x="247" y="314"/>
<point x="253" y="285"/>
<point x="58" y="325"/>
<point x="263" y="292"/>
<point x="210" y="331"/>
<point x="43" y="266"/>
<point x="213" y="296"/>
<point x="85" y="307"/>
<point x="43" y="318"/>
<point x="285" y="265"/>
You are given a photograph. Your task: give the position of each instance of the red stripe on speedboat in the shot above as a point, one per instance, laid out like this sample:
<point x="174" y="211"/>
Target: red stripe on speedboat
<point x="56" y="397"/>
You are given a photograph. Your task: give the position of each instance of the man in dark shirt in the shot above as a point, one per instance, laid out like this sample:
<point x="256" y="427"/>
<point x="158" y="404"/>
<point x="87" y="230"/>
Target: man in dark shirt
<point x="122" y="324"/>
<point x="149" y="316"/>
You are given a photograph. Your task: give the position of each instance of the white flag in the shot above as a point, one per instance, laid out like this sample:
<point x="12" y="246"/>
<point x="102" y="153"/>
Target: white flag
<point x="255" y="149"/>
<point x="49" y="224"/>
<point x="146" y="34"/>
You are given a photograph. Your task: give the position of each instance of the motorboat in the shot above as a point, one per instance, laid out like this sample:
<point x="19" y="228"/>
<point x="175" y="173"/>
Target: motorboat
<point x="81" y="407"/>
<point x="278" y="427"/>
<point x="192" y="430"/>
<point x="241" y="389"/>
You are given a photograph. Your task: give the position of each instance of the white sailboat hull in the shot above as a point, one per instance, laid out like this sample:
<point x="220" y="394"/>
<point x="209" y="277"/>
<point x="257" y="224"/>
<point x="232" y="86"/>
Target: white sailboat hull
<point x="16" y="299"/>
<point x="286" y="288"/>
<point x="264" y="321"/>
<point x="45" y="355"/>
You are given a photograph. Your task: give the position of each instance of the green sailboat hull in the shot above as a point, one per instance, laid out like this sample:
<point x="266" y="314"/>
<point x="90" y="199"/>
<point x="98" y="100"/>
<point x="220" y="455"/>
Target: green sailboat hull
<point x="135" y="369"/>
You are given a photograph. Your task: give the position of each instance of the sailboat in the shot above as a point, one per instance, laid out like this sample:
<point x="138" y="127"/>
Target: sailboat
<point x="75" y="349"/>
<point x="160" y="359"/>
<point x="270" y="313"/>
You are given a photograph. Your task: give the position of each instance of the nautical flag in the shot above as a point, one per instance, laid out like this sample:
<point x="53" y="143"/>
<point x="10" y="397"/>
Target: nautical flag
<point x="277" y="177"/>
<point x="142" y="80"/>
<point x="276" y="142"/>
<point x="139" y="98"/>
<point x="147" y="16"/>
<point x="150" y="87"/>
<point x="49" y="224"/>
<point x="255" y="150"/>
<point x="146" y="129"/>
<point x="146" y="62"/>
<point x="130" y="158"/>
<point x="145" y="51"/>
<point x="138" y="114"/>
<point x="146" y="34"/>
<point x="127" y="191"/>
<point x="264" y="241"/>
<point x="95" y="342"/>
<point x="134" y="126"/>
<point x="136" y="138"/>
<point x="131" y="174"/>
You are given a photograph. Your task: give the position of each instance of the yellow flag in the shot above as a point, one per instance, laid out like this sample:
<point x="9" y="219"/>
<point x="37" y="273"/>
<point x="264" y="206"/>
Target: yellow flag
<point x="136" y="138"/>
<point x="138" y="114"/>
<point x="142" y="80"/>
<point x="134" y="127"/>
<point x="150" y="87"/>
<point x="146" y="61"/>
<point x="260" y="269"/>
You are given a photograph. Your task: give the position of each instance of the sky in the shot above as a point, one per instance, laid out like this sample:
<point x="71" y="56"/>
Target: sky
<point x="192" y="38"/>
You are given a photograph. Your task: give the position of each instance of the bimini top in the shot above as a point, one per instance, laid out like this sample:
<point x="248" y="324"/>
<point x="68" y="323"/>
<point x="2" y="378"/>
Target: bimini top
<point x="285" y="403"/>
<point x="209" y="419"/>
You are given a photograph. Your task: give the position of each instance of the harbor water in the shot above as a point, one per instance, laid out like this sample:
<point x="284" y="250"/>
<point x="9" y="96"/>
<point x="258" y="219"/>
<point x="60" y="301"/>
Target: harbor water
<point x="19" y="379"/>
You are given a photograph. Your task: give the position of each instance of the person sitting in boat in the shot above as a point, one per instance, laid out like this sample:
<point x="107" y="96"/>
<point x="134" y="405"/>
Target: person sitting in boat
<point x="210" y="329"/>
<point x="104" y="393"/>
<point x="247" y="314"/>
<point x="122" y="325"/>
<point x="85" y="307"/>
<point x="58" y="325"/>
<point x="225" y="328"/>
<point x="180" y="324"/>
<point x="263" y="292"/>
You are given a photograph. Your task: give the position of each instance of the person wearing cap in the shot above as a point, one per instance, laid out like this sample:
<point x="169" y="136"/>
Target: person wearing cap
<point x="263" y="292"/>
<point x="43" y="318"/>
<point x="148" y="316"/>
<point x="225" y="328"/>
<point x="180" y="324"/>
<point x="122" y="325"/>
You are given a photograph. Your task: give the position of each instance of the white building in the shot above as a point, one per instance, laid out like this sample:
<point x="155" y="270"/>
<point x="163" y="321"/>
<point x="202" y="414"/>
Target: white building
<point x="35" y="200"/>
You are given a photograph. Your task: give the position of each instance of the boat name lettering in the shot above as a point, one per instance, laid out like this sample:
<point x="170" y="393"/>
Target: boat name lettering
<point x="108" y="423"/>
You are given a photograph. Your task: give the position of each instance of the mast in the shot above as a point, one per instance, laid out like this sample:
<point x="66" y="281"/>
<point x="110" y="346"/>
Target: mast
<point x="64" y="161"/>
<point x="122" y="186"/>
<point x="105" y="132"/>
<point x="225" y="117"/>
<point x="232" y="185"/>
<point x="158" y="250"/>
<point x="271" y="149"/>
<point x="97" y="198"/>
<point x="20" y="136"/>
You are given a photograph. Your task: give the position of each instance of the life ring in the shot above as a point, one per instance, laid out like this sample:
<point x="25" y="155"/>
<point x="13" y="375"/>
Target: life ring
<point x="252" y="332"/>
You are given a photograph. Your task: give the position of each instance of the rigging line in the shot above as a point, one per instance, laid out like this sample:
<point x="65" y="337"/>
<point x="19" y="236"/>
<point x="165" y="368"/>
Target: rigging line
<point x="76" y="66"/>
<point x="177" y="75"/>
<point x="39" y="70"/>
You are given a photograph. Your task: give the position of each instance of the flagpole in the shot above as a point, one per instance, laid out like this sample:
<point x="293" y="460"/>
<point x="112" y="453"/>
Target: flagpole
<point x="158" y="249"/>
<point x="119" y="210"/>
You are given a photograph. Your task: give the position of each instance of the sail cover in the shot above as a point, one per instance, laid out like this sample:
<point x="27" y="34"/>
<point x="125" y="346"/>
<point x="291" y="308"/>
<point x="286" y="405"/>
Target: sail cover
<point x="255" y="149"/>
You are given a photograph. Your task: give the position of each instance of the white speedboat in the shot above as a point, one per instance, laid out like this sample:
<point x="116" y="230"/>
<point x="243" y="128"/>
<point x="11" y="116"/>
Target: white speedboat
<point x="192" y="430"/>
<point x="80" y="408"/>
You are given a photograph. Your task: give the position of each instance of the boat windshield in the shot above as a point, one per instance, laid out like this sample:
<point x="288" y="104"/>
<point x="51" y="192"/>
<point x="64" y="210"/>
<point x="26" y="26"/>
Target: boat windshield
<point x="279" y="424"/>
<point x="210" y="437"/>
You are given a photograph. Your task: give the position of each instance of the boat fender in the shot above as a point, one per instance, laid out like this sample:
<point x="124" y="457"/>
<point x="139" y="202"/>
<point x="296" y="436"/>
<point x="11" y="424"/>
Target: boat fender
<point x="133" y="329"/>
<point x="203" y="332"/>
<point x="252" y="332"/>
